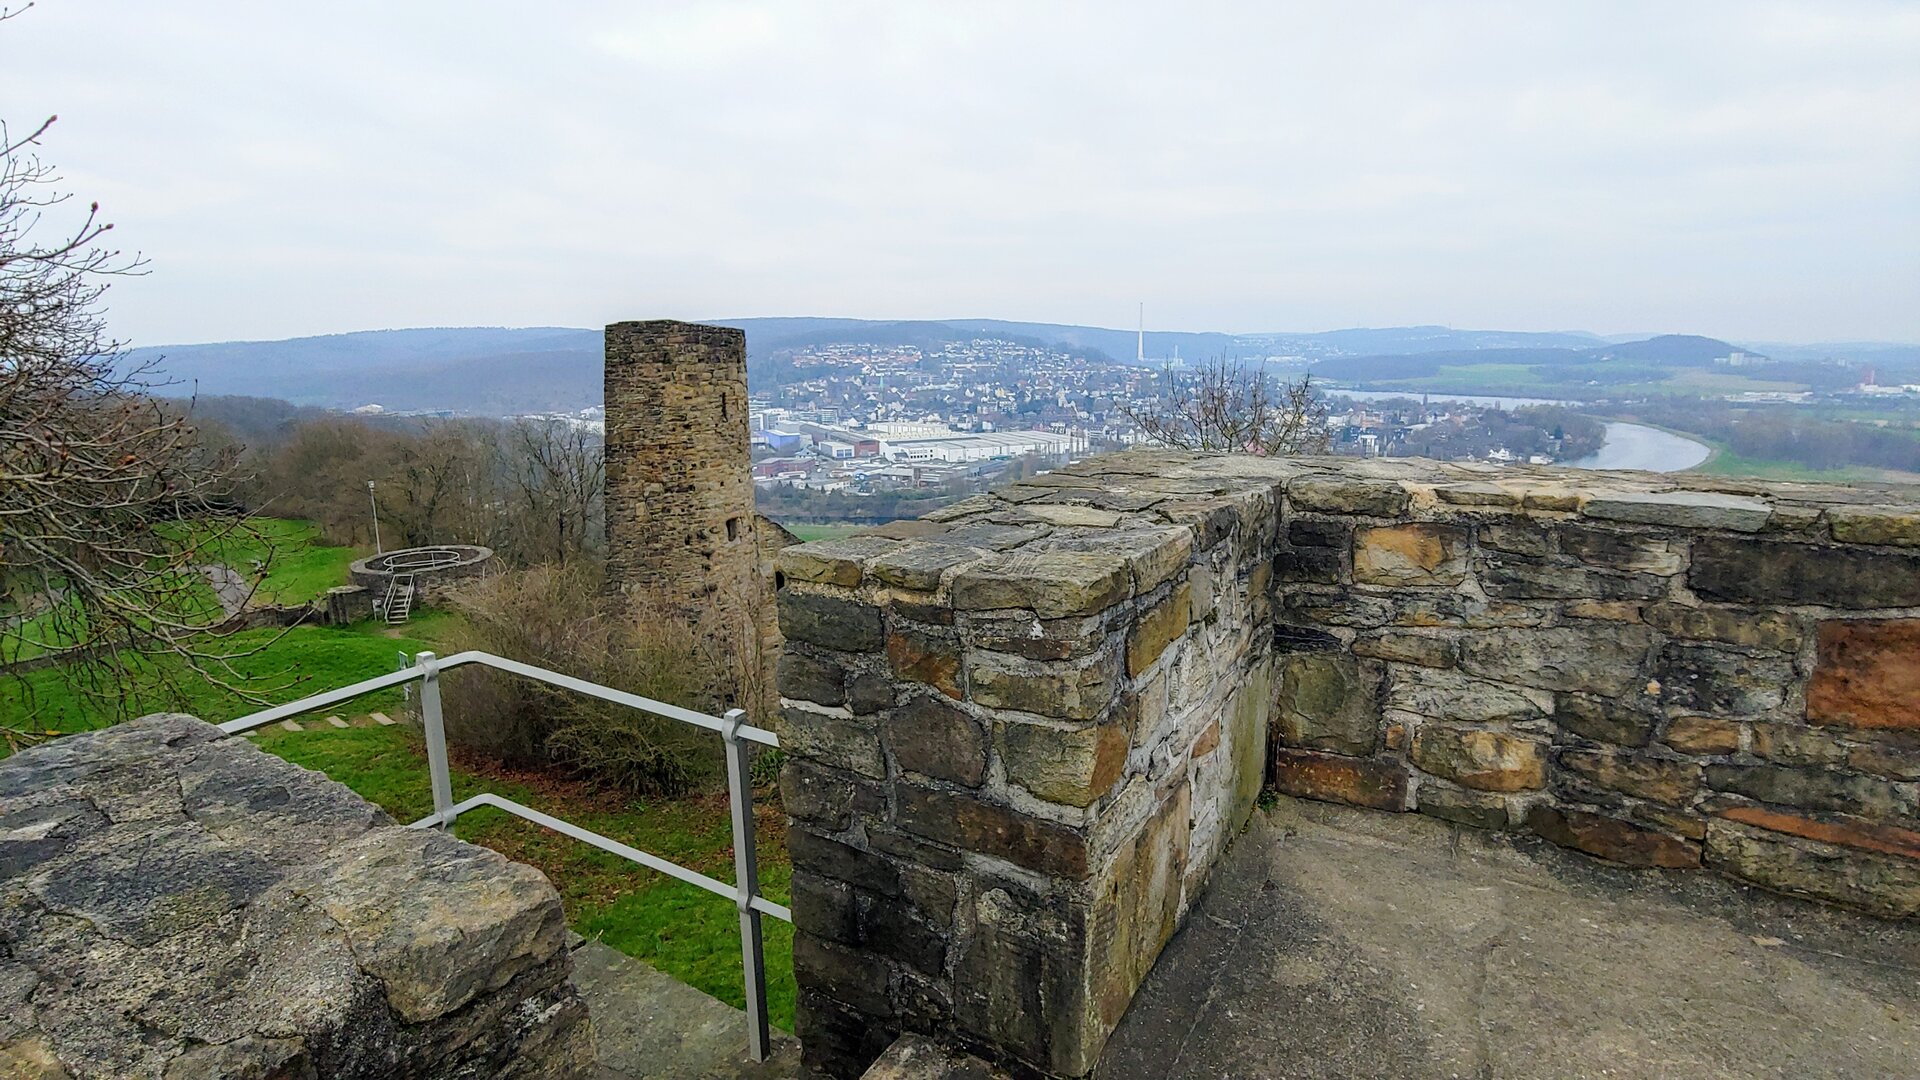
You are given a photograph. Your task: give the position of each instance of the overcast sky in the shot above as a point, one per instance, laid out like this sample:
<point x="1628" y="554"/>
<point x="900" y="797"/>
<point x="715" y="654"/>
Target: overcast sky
<point x="1744" y="170"/>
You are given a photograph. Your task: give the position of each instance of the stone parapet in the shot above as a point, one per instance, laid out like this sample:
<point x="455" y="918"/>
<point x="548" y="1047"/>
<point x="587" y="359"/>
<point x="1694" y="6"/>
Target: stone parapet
<point x="1023" y="728"/>
<point x="174" y="904"/>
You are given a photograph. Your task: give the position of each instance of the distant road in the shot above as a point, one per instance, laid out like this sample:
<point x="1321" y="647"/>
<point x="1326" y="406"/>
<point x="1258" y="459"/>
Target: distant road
<point x="1637" y="446"/>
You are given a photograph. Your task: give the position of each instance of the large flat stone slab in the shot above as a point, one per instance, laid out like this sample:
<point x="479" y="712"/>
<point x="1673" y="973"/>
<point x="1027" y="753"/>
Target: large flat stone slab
<point x="1343" y="943"/>
<point x="650" y="1026"/>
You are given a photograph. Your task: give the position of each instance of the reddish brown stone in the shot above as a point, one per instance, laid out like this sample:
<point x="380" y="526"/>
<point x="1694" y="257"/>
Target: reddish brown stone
<point x="1703" y="735"/>
<point x="1613" y="839"/>
<point x="992" y="829"/>
<point x="1381" y="785"/>
<point x="1842" y="830"/>
<point x="1208" y="741"/>
<point x="1868" y="674"/>
<point x="925" y="659"/>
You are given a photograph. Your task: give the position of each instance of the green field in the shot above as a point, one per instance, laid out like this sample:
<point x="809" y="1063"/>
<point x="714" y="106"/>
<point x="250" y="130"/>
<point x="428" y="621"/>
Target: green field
<point x="808" y="531"/>
<point x="298" y="568"/>
<point x="1528" y="380"/>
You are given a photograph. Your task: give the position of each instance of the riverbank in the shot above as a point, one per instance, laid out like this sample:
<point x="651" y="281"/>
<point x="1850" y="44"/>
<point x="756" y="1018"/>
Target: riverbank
<point x="1638" y="446"/>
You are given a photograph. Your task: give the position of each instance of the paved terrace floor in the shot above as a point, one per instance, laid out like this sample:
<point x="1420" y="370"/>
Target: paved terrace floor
<point x="1347" y="943"/>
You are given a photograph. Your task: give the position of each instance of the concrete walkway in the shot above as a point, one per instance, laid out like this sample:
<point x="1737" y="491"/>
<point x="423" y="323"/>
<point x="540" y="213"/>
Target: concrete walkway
<point x="650" y="1025"/>
<point x="1348" y="943"/>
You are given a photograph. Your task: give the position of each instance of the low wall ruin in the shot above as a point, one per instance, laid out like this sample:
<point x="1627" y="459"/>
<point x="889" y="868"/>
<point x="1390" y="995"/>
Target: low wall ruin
<point x="1022" y="730"/>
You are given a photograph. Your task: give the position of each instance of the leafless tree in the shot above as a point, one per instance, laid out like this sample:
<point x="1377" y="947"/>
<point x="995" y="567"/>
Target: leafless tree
<point x="1225" y="406"/>
<point x="96" y="475"/>
<point x="557" y="476"/>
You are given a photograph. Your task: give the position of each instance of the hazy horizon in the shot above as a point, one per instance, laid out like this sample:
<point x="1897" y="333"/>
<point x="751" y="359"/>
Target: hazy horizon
<point x="1749" y="172"/>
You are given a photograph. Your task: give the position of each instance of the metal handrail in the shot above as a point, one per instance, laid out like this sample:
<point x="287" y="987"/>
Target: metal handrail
<point x="734" y="733"/>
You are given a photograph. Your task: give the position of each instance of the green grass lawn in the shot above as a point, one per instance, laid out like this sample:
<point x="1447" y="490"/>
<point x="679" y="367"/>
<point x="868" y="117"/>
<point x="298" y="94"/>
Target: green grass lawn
<point x="808" y="531"/>
<point x="299" y="567"/>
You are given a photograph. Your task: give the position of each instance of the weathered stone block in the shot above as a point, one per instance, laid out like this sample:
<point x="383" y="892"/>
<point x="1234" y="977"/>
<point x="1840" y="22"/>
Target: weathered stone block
<point x="1514" y="578"/>
<point x="1797" y="744"/>
<point x="1328" y="701"/>
<point x="1867" y="675"/>
<point x="1426" y="650"/>
<point x="1051" y="584"/>
<point x="1752" y="629"/>
<point x="1748" y="571"/>
<point x="924" y="657"/>
<point x="848" y="975"/>
<point x="1602" y="720"/>
<point x="1886" y="884"/>
<point x="1486" y="760"/>
<point x="1343" y="495"/>
<point x="1308" y="774"/>
<point x="1142" y="888"/>
<point x="1410" y="555"/>
<point x="1021" y="633"/>
<point x="1069" y="690"/>
<point x="1449" y="695"/>
<point x="1685" y="509"/>
<point x="1462" y="806"/>
<point x="1890" y="525"/>
<point x="832" y="562"/>
<point x="839" y="742"/>
<point x="1841" y="829"/>
<point x="935" y="738"/>
<point x="1702" y="735"/>
<point x="921" y="566"/>
<point x="1814" y="789"/>
<point x="1157" y="628"/>
<point x="1600" y="658"/>
<point x="1707" y="679"/>
<point x="991" y="829"/>
<point x="1517" y="537"/>
<point x="1021" y="980"/>
<point x="807" y="676"/>
<point x="1659" y="779"/>
<point x="825" y="796"/>
<point x="1072" y="766"/>
<point x="1620" y="550"/>
<point x="1612" y="839"/>
<point x="827" y="857"/>
<point x="831" y="622"/>
<point x="1314" y="565"/>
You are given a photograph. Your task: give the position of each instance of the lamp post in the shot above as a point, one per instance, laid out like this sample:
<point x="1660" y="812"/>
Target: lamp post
<point x="377" y="549"/>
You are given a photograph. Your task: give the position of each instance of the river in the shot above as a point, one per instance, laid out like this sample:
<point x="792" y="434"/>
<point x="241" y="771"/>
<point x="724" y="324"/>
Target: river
<point x="1637" y="446"/>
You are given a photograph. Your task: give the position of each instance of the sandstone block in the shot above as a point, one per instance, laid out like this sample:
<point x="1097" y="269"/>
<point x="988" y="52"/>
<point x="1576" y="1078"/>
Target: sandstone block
<point x="1426" y="650"/>
<point x="830" y="622"/>
<point x="922" y="657"/>
<point x="1755" y="630"/>
<point x="991" y="829"/>
<point x="1329" y="701"/>
<point x="1685" y="509"/>
<point x="1739" y="570"/>
<point x="921" y="566"/>
<point x="1702" y="735"/>
<point x="1070" y="766"/>
<point x="1659" y="779"/>
<point x="832" y="562"/>
<point x="1888" y="525"/>
<point x="1607" y="659"/>
<point x="1307" y="774"/>
<point x="1602" y="720"/>
<point x="1478" y="494"/>
<point x="1142" y="889"/>
<point x="805" y="676"/>
<point x="1896" y="758"/>
<point x="1867" y="675"/>
<point x="1612" y="839"/>
<point x="1813" y="789"/>
<point x="1838" y="829"/>
<point x="834" y="741"/>
<point x="1620" y="550"/>
<point x="1797" y="744"/>
<point x="932" y="737"/>
<point x="1486" y="760"/>
<point x="1449" y="695"/>
<point x="1885" y="884"/>
<point x="1341" y="495"/>
<point x="1517" y="537"/>
<point x="826" y="857"/>
<point x="1463" y="806"/>
<point x="1051" y="584"/>
<point x="1069" y="690"/>
<point x="1515" y="578"/>
<point x="1712" y="680"/>
<point x="1157" y="628"/>
<point x="811" y="793"/>
<point x="1410" y="555"/>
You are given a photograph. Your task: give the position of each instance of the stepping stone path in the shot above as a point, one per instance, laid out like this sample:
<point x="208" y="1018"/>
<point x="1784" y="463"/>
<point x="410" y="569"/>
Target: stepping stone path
<point x="369" y="720"/>
<point x="336" y="721"/>
<point x="382" y="719"/>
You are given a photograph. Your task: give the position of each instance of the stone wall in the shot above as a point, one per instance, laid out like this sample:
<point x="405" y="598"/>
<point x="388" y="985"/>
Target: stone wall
<point x="175" y="904"/>
<point x="1022" y="730"/>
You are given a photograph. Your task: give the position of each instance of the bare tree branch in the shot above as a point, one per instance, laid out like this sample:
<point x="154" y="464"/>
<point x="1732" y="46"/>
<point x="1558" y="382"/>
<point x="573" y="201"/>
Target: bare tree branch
<point x="1225" y="406"/>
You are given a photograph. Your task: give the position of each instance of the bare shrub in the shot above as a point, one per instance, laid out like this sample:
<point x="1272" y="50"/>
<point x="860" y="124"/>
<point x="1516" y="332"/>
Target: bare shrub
<point x="556" y="617"/>
<point x="1226" y="406"/>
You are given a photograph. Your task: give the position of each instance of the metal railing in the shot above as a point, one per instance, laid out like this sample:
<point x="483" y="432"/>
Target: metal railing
<point x="733" y="731"/>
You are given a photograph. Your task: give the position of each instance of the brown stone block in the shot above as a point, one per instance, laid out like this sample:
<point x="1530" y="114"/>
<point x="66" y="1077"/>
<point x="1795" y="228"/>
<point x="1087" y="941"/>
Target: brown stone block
<point x="1601" y="658"/>
<point x="1811" y="788"/>
<point x="1755" y="630"/>
<point x="991" y="829"/>
<point x="925" y="658"/>
<point x="1328" y="701"/>
<point x="1602" y="720"/>
<point x="832" y="622"/>
<point x="1052" y="584"/>
<point x="1068" y="690"/>
<point x="1411" y="555"/>
<point x="1743" y="570"/>
<point x="1158" y="628"/>
<point x="1612" y="839"/>
<point x="1340" y="495"/>
<point x="1707" y="679"/>
<point x="1474" y="809"/>
<point x="1672" y="782"/>
<point x="1883" y="884"/>
<point x="1842" y="830"/>
<point x="1381" y="785"/>
<point x="1867" y="675"/>
<point x="934" y="738"/>
<point x="1702" y="735"/>
<point x="1487" y="760"/>
<point x="832" y="562"/>
<point x="1426" y="650"/>
<point x="1070" y="766"/>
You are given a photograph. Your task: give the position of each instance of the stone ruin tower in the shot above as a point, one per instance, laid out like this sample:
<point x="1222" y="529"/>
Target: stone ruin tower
<point x="681" y="528"/>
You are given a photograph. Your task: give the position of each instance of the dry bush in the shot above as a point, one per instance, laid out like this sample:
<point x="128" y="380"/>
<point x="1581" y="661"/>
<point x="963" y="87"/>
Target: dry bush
<point x="556" y="617"/>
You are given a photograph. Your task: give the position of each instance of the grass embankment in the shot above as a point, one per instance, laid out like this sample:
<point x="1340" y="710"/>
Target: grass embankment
<point x="809" y="531"/>
<point x="298" y="567"/>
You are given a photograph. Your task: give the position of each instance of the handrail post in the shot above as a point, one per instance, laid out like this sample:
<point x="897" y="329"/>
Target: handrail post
<point x="746" y="878"/>
<point x="435" y="727"/>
